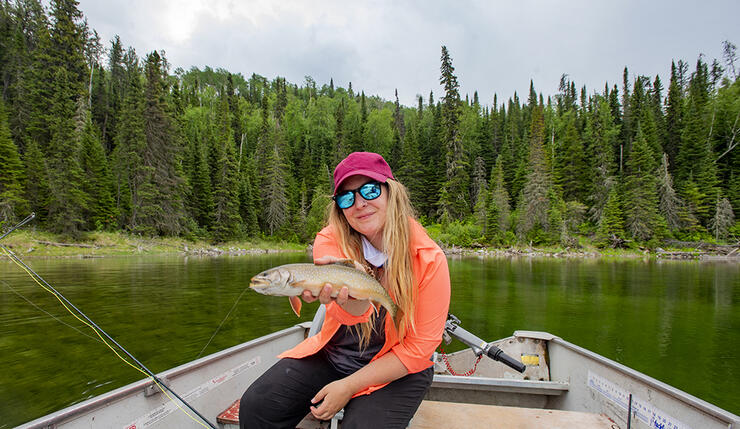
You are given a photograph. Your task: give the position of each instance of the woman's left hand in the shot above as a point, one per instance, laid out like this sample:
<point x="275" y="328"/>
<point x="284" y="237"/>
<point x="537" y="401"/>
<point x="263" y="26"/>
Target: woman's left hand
<point x="335" y="396"/>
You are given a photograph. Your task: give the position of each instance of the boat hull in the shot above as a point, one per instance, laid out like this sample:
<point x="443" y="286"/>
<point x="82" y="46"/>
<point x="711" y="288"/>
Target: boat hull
<point x="559" y="376"/>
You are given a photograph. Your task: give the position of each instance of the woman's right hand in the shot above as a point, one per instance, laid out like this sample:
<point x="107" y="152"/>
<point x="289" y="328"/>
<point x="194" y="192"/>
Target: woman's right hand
<point x="325" y="295"/>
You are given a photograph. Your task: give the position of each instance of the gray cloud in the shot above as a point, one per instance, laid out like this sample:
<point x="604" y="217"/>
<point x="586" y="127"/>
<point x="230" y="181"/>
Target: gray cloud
<point x="497" y="47"/>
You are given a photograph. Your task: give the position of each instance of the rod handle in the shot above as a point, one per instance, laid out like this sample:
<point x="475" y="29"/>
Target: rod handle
<point x="496" y="353"/>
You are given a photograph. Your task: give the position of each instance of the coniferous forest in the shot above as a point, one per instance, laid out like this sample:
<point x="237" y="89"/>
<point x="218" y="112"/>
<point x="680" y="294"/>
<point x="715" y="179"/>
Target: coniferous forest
<point x="94" y="136"/>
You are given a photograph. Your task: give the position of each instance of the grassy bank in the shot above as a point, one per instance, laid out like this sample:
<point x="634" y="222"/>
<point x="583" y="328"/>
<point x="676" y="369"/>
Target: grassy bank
<point x="96" y="244"/>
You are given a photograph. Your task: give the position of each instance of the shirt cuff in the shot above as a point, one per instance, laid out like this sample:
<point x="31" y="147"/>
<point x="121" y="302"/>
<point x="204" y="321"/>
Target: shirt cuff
<point x="342" y="316"/>
<point x="412" y="362"/>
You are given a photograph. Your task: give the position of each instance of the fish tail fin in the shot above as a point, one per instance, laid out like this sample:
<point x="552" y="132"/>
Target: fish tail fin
<point x="397" y="316"/>
<point x="296" y="304"/>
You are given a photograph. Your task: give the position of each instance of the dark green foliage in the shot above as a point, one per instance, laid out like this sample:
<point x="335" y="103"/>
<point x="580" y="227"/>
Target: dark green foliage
<point x="670" y="204"/>
<point x="642" y="219"/>
<point x="98" y="183"/>
<point x="158" y="205"/>
<point x="498" y="212"/>
<point x="68" y="200"/>
<point x="573" y="173"/>
<point x="212" y="154"/>
<point x="673" y="117"/>
<point x="37" y="181"/>
<point x="226" y="219"/>
<point x="611" y="227"/>
<point x="454" y="201"/>
<point x="535" y="203"/>
<point x="723" y="219"/>
<point x="603" y="133"/>
<point x="129" y="142"/>
<point x="12" y="174"/>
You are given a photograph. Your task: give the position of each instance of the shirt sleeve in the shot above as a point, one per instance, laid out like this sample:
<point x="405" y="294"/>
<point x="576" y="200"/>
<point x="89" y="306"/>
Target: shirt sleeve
<point x="433" y="302"/>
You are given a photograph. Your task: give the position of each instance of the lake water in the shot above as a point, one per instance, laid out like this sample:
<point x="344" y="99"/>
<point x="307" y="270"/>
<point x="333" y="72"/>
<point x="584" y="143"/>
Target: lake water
<point x="678" y="322"/>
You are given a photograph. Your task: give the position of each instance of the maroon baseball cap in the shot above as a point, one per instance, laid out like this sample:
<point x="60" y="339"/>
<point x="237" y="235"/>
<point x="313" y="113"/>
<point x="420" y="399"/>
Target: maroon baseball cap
<point x="362" y="163"/>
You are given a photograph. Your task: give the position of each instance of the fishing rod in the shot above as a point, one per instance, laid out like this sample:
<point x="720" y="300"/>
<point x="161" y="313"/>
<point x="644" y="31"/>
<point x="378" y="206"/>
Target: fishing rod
<point x="92" y="324"/>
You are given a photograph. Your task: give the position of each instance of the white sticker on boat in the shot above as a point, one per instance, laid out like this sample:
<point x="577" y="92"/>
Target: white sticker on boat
<point x="642" y="410"/>
<point x="159" y="413"/>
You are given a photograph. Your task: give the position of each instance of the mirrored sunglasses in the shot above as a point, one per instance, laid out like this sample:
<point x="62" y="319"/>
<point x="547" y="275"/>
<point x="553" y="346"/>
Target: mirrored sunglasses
<point x="369" y="191"/>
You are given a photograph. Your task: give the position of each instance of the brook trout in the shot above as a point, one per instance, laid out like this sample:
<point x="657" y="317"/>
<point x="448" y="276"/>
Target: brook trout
<point x="292" y="279"/>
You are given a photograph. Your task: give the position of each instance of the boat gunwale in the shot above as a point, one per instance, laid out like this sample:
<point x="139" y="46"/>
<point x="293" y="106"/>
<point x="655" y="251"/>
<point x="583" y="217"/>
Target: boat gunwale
<point x="166" y="376"/>
<point x="667" y="389"/>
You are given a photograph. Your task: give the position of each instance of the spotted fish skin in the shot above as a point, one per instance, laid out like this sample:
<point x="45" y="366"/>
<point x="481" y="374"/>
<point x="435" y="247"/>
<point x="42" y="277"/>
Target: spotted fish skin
<point x="292" y="279"/>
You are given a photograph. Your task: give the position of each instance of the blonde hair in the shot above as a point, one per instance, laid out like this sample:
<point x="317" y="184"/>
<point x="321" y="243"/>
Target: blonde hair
<point x="397" y="276"/>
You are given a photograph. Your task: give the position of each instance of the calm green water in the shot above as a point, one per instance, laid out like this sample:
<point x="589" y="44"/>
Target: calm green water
<point x="676" y="321"/>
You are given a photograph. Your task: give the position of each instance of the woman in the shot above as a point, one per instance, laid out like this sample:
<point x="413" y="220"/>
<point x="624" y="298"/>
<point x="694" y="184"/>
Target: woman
<point x="359" y="361"/>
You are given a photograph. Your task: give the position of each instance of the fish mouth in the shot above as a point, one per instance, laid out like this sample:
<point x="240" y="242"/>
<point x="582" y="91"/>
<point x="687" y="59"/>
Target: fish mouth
<point x="258" y="282"/>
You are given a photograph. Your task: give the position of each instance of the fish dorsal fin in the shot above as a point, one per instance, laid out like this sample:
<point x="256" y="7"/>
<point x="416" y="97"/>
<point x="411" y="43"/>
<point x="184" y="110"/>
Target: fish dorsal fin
<point x="345" y="262"/>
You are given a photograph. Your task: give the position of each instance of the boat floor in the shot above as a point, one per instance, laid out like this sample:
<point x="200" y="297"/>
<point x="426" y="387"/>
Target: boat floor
<point x="431" y="414"/>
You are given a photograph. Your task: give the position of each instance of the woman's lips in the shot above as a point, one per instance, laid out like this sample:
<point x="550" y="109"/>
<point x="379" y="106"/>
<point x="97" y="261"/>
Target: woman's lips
<point x="364" y="216"/>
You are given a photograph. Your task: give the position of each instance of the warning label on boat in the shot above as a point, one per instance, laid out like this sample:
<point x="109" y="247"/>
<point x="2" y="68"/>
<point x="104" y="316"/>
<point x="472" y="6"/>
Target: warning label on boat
<point x="164" y="410"/>
<point x="641" y="409"/>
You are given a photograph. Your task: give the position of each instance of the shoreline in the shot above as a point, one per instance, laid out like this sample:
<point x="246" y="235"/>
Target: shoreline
<point x="34" y="244"/>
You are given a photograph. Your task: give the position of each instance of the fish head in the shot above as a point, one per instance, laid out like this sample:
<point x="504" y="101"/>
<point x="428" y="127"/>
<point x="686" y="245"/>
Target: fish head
<point x="275" y="281"/>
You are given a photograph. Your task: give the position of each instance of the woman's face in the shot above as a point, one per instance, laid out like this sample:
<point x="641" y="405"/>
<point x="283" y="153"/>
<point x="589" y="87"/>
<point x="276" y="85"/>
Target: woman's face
<point x="366" y="217"/>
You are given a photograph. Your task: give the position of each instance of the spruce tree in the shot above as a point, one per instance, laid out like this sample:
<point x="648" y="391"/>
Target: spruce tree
<point x="670" y="204"/>
<point x="498" y="211"/>
<point x="642" y="219"/>
<point x="696" y="156"/>
<point x="201" y="196"/>
<point x="454" y="201"/>
<point x="673" y="117"/>
<point x="37" y="191"/>
<point x="248" y="198"/>
<point x="318" y="212"/>
<point x="129" y="144"/>
<point x="480" y="192"/>
<point x="604" y="133"/>
<point x="226" y="219"/>
<point x="573" y="175"/>
<point x="535" y="200"/>
<point x="411" y="170"/>
<point x="274" y="197"/>
<point x="611" y="229"/>
<point x="12" y="174"/>
<point x="98" y="184"/>
<point x="68" y="200"/>
<point x="723" y="220"/>
<point x="160" y="202"/>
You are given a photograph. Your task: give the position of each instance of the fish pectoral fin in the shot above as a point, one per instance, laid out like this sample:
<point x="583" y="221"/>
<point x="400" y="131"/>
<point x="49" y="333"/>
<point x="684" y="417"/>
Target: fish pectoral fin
<point x="346" y="262"/>
<point x="295" y="304"/>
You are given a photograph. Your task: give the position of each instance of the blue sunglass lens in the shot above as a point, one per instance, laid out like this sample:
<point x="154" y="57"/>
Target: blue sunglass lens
<point x="370" y="191"/>
<point x="345" y="200"/>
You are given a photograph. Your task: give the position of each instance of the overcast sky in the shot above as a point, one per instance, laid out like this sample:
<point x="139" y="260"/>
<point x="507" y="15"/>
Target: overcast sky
<point x="496" y="46"/>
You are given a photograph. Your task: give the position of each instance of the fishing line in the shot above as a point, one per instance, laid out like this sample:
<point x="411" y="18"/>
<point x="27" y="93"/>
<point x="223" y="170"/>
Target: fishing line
<point x="222" y="322"/>
<point x="98" y="330"/>
<point x="20" y="295"/>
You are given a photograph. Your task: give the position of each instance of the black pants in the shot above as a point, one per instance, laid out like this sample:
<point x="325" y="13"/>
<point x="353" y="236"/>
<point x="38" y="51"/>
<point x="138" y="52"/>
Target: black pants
<point x="281" y="397"/>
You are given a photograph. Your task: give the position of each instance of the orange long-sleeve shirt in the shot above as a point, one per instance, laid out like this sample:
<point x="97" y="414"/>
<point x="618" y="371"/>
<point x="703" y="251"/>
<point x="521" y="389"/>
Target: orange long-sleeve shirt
<point x="432" y="283"/>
